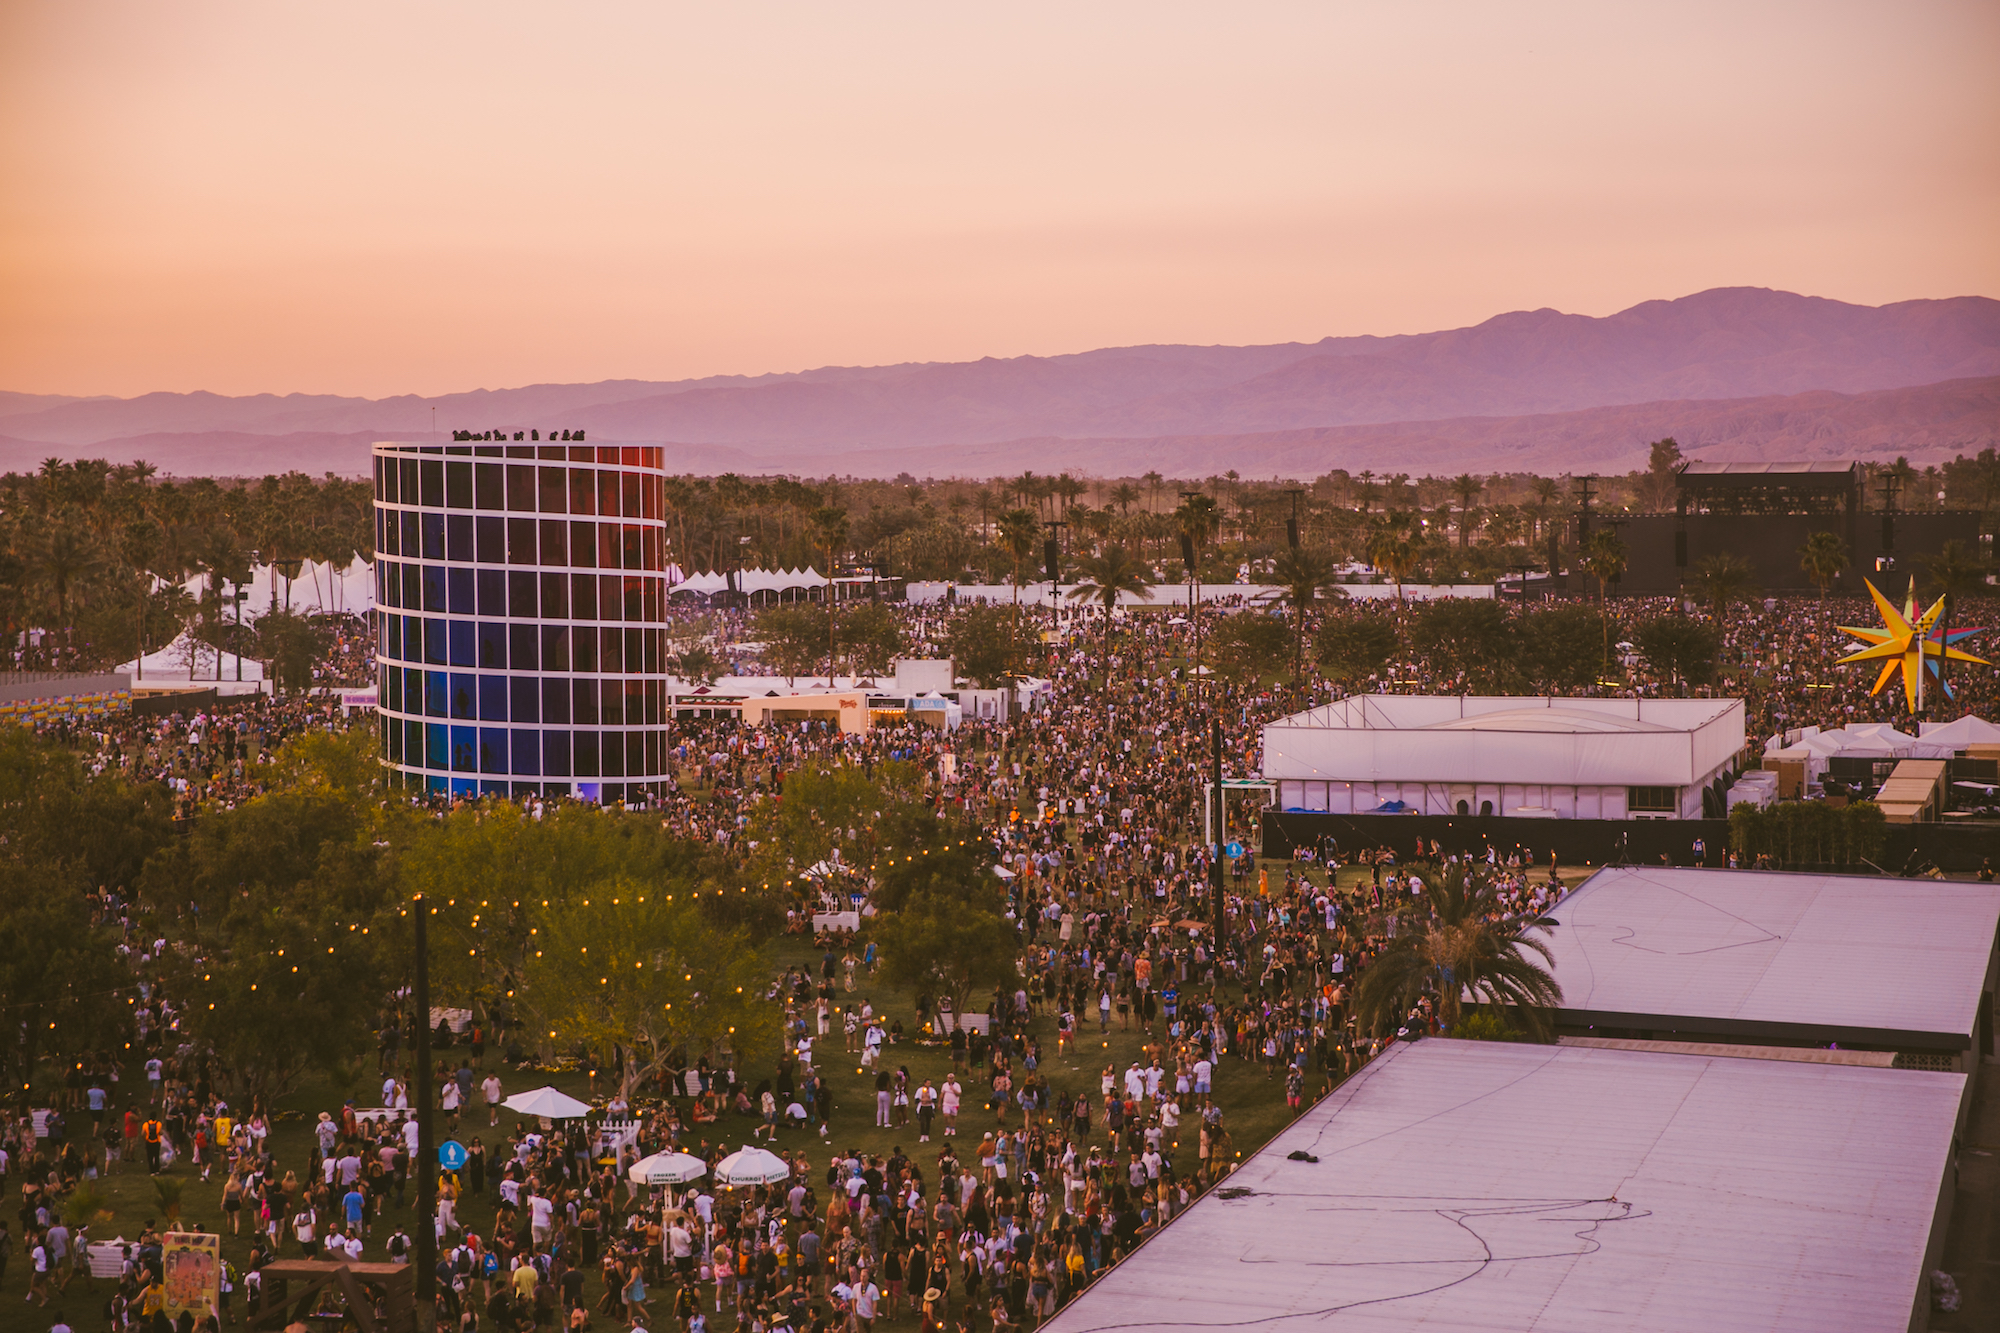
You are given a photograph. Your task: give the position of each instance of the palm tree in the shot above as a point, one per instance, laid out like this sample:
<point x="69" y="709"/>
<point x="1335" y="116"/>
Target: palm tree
<point x="1467" y="488"/>
<point x="1104" y="577"/>
<point x="1123" y="495"/>
<point x="1469" y="944"/>
<point x="1018" y="530"/>
<point x="1302" y="573"/>
<point x="1823" y="557"/>
<point x="1604" y="558"/>
<point x="1391" y="549"/>
<point x="62" y="560"/>
<point x="1723" y="578"/>
<point x="1153" y="480"/>
<point x="830" y="526"/>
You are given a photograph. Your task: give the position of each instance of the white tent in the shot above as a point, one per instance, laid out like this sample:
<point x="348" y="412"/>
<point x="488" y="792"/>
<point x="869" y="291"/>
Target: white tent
<point x="1966" y="731"/>
<point x="752" y="1166"/>
<point x="667" y="1168"/>
<point x="548" y="1103"/>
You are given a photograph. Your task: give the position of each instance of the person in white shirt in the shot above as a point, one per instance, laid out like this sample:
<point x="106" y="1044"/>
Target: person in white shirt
<point x="543" y="1214"/>
<point x="491" y="1088"/>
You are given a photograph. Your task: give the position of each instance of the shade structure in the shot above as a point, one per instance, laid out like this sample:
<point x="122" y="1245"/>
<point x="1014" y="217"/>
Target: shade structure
<point x="752" y="1166"/>
<point x="549" y="1103"/>
<point x="667" y="1168"/>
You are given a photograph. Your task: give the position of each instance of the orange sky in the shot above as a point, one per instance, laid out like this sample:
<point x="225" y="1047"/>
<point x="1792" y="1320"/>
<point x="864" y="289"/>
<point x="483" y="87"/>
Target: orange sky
<point x="382" y="198"/>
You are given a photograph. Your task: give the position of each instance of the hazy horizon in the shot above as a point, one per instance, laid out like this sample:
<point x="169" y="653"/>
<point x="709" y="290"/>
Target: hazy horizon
<point x="375" y="201"/>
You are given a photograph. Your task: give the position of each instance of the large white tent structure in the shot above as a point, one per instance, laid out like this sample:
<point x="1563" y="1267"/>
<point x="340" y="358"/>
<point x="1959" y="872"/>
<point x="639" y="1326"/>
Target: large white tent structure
<point x="1504" y="755"/>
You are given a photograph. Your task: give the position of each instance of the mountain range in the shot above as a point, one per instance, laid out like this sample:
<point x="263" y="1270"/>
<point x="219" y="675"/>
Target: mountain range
<point x="1732" y="373"/>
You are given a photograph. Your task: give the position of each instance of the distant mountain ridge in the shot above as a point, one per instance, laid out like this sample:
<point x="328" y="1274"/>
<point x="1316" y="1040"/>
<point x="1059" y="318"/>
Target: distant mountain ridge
<point x="1734" y="360"/>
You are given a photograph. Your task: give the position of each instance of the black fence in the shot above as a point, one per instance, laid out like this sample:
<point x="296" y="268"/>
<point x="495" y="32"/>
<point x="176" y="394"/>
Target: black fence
<point x="1953" y="847"/>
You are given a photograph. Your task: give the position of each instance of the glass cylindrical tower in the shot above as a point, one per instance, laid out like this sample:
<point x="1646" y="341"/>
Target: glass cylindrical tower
<point x="521" y="596"/>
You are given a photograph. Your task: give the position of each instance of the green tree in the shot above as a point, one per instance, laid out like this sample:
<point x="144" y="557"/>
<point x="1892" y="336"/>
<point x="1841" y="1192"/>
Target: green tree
<point x="1552" y="648"/>
<point x="1678" y="648"/>
<point x="698" y="664"/>
<point x="985" y="642"/>
<point x="1303" y="573"/>
<point x="1722" y="579"/>
<point x="290" y="644"/>
<point x="942" y="948"/>
<point x="793" y="636"/>
<point x="1470" y="638"/>
<point x="1824" y="558"/>
<point x="1353" y="647"/>
<point x="1461" y="939"/>
<point x="1018" y="530"/>
<point x="1246" y="645"/>
<point x="1604" y="558"/>
<point x="1104" y="578"/>
<point x="1466" y="488"/>
<point x="873" y="638"/>
<point x="628" y="966"/>
<point x="1394" y="548"/>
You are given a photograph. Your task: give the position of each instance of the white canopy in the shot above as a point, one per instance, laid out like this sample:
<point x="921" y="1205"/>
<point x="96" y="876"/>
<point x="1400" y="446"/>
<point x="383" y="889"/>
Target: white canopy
<point x="1966" y="731"/>
<point x="752" y="1166"/>
<point x="667" y="1168"/>
<point x="549" y="1103"/>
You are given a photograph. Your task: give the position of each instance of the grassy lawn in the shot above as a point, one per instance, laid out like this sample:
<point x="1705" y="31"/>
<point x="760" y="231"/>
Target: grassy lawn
<point x="1253" y="1104"/>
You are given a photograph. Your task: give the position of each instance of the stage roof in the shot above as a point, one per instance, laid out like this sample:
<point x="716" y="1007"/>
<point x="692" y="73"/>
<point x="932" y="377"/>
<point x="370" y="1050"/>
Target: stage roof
<point x="1848" y="958"/>
<point x="1497" y="1186"/>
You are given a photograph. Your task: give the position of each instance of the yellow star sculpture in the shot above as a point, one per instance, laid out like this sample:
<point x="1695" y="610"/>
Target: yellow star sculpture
<point x="1907" y="642"/>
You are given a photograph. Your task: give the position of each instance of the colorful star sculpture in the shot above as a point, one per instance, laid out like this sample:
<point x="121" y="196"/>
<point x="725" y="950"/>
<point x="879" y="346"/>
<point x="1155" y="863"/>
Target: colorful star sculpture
<point x="1910" y="644"/>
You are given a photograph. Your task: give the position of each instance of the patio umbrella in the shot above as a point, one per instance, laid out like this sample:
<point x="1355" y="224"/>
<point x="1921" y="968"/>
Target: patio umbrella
<point x="548" y="1103"/>
<point x="752" y="1166"/>
<point x="667" y="1168"/>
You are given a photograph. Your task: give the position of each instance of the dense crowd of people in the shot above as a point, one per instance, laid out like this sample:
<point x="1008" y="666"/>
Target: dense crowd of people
<point x="1017" y="1188"/>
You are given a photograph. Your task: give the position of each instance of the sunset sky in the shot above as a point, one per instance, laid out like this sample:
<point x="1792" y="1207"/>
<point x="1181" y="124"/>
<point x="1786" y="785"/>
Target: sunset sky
<point x="425" y="197"/>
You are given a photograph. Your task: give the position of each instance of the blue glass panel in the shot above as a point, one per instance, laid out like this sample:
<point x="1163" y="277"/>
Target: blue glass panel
<point x="437" y="694"/>
<point x="465" y="786"/>
<point x="492" y="698"/>
<point x="555" y="753"/>
<point x="433" y="536"/>
<point x="464" y="703"/>
<point x="464" y="749"/>
<point x="463" y="601"/>
<point x="584" y="757"/>
<point x="527" y="751"/>
<point x="437" y="745"/>
<point x="392" y="637"/>
<point x="493" y="593"/>
<point x="526" y="704"/>
<point x="458" y="537"/>
<point x="413" y="744"/>
<point x="462" y="651"/>
<point x="493" y="749"/>
<point x="492" y="645"/>
<point x="433" y="587"/>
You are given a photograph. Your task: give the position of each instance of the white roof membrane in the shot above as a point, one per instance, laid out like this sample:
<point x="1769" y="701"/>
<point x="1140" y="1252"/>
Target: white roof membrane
<point x="1496" y="1186"/>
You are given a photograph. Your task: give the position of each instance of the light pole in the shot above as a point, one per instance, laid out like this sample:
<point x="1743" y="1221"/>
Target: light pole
<point x="424" y="1161"/>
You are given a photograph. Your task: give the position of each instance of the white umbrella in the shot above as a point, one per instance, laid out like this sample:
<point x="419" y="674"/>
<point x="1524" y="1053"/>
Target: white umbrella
<point x="667" y="1168"/>
<point x="548" y="1103"/>
<point x="752" y="1166"/>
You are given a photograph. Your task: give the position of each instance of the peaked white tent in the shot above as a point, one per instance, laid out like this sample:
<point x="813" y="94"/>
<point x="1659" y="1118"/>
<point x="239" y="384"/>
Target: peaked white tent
<point x="1966" y="731"/>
